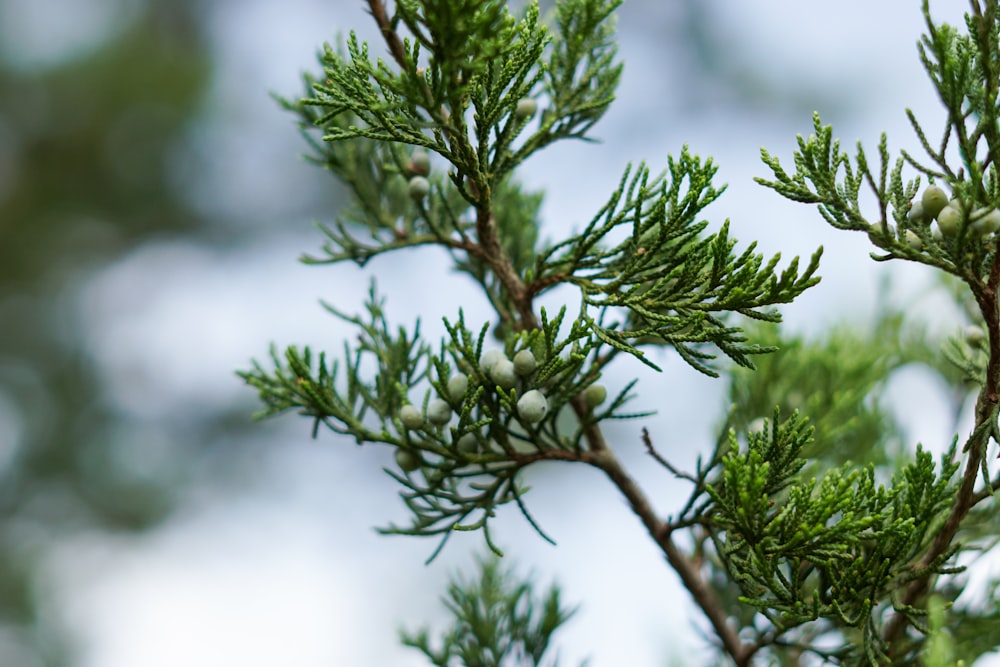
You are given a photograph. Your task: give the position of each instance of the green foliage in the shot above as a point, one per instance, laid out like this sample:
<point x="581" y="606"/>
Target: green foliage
<point x="669" y="282"/>
<point x="455" y="483"/>
<point x="88" y="145"/>
<point x="460" y="78"/>
<point x="498" y="620"/>
<point x="671" y="279"/>
<point x="821" y="534"/>
<point x="940" y="645"/>
<point x="838" y="379"/>
<point x="964" y="71"/>
<point x="958" y="635"/>
<point x="973" y="625"/>
<point x="963" y="68"/>
<point x="833" y="548"/>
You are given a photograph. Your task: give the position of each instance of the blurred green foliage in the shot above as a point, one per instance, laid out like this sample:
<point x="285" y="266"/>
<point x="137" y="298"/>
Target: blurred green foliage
<point x="88" y="144"/>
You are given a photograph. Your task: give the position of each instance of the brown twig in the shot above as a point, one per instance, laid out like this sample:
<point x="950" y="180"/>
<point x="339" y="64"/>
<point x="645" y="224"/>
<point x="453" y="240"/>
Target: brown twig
<point x="704" y="596"/>
<point x="377" y="9"/>
<point x="646" y="440"/>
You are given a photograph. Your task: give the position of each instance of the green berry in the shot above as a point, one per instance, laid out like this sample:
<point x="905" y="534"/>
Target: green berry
<point x="458" y="386"/>
<point x="418" y="188"/>
<point x="595" y="394"/>
<point x="916" y="216"/>
<point x="877" y="233"/>
<point x="468" y="444"/>
<point x="933" y="200"/>
<point x="490" y="359"/>
<point x="949" y="220"/>
<point x="526" y="108"/>
<point x="524" y="363"/>
<point x="985" y="221"/>
<point x="408" y="460"/>
<point x="503" y="373"/>
<point x="438" y="412"/>
<point x="532" y="406"/>
<point x="411" y="417"/>
<point x="913" y="240"/>
<point x="420" y="163"/>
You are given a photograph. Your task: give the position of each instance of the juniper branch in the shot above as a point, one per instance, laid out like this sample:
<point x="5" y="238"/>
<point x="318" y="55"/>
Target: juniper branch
<point x="668" y="278"/>
<point x="987" y="409"/>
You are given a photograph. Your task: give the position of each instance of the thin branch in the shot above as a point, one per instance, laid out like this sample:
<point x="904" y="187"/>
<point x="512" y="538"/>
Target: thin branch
<point x="392" y="40"/>
<point x="646" y="440"/>
<point x="396" y="47"/>
<point x="500" y="263"/>
<point x="704" y="596"/>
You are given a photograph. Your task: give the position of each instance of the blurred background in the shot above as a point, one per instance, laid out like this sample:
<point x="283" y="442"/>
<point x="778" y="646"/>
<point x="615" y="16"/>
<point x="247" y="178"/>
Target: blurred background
<point x="152" y="208"/>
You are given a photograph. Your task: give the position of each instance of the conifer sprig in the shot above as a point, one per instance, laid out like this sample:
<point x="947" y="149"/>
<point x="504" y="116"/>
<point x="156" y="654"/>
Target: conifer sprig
<point x="836" y="548"/>
<point x="788" y="542"/>
<point x="961" y="239"/>
<point x="500" y="611"/>
<point x="465" y="87"/>
<point x="673" y="282"/>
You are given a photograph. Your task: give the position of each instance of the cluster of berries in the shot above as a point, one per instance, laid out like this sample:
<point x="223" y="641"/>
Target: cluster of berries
<point x="934" y="206"/>
<point x="507" y="374"/>
<point x="532" y="406"/>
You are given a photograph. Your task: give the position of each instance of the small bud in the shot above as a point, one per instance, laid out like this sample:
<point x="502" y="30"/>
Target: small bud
<point x="532" y="406"/>
<point x="524" y="363"/>
<point x="418" y="188"/>
<point x="420" y="163"/>
<point x="913" y="240"/>
<point x="933" y="200"/>
<point x="438" y="412"/>
<point x="458" y="386"/>
<point x="526" y="108"/>
<point x="595" y="394"/>
<point x="411" y="417"/>
<point x="503" y="373"/>
<point x="408" y="460"/>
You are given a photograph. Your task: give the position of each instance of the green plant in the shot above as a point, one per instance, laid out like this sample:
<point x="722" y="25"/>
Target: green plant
<point x="813" y="534"/>
<point x="498" y="621"/>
